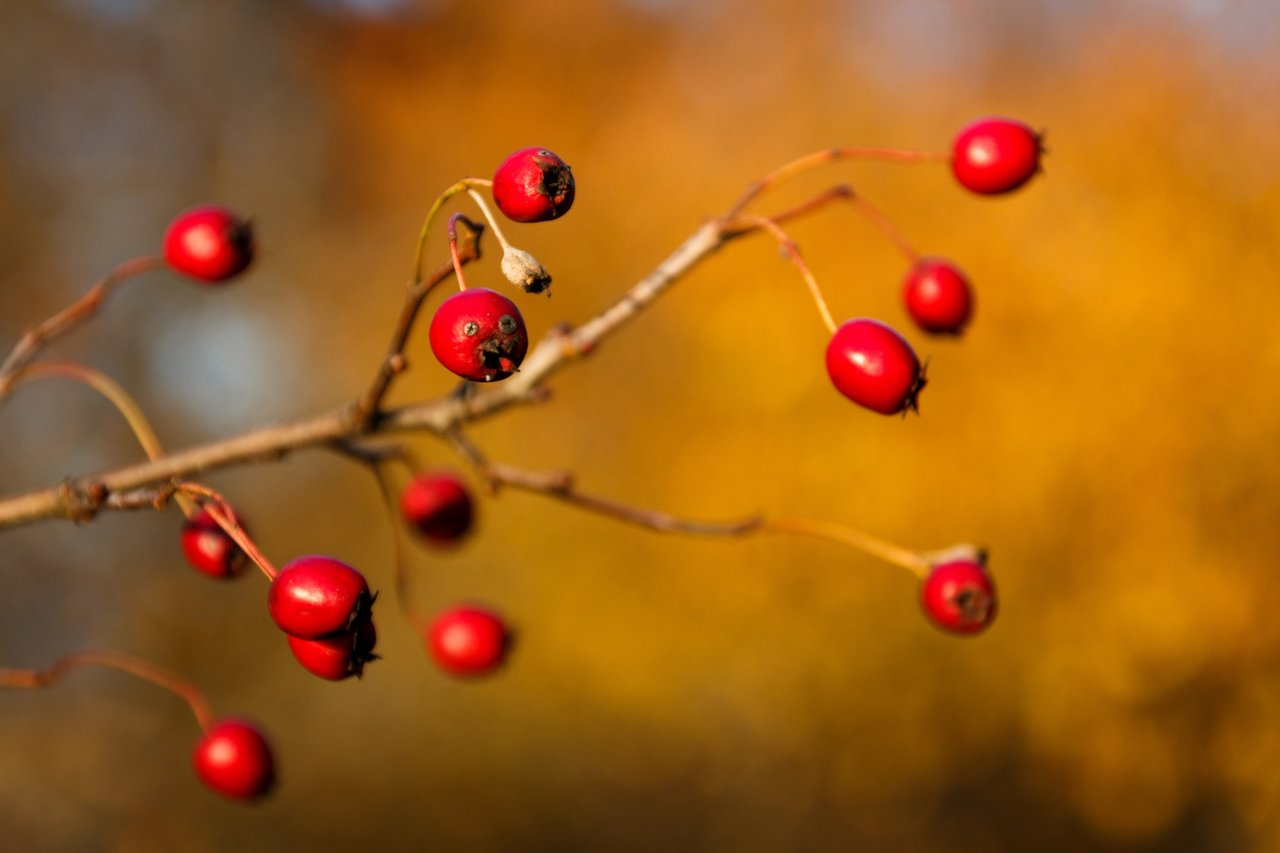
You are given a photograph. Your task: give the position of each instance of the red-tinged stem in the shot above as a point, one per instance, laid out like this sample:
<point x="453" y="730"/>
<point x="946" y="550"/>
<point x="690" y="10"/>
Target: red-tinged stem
<point x="454" y="255"/>
<point x="829" y="155"/>
<point x="220" y="511"/>
<point x="792" y="251"/>
<point x="147" y="671"/>
<point x="70" y="317"/>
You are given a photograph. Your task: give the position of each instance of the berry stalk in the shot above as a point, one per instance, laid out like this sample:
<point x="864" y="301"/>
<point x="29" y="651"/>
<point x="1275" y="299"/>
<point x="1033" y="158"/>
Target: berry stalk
<point x="137" y="667"/>
<point x="71" y="316"/>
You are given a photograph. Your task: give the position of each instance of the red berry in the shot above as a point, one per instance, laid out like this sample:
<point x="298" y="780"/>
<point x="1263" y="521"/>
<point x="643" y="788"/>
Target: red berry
<point x="209" y="243"/>
<point x="337" y="656"/>
<point x="533" y="185"/>
<point x="959" y="597"/>
<point x="874" y="366"/>
<point x="234" y="759"/>
<point x="938" y="296"/>
<point x="479" y="335"/>
<point x="314" y="596"/>
<point x="995" y="155"/>
<point x="468" y="640"/>
<point x="209" y="549"/>
<point x="438" y="506"/>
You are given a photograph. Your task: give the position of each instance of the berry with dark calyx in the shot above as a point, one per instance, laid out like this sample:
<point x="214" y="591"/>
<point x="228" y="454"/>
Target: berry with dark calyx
<point x="468" y="640"/>
<point x="337" y="656"/>
<point x="479" y="334"/>
<point x="438" y="505"/>
<point x="234" y="759"/>
<point x="959" y="597"/>
<point x="209" y="549"/>
<point x="938" y="296"/>
<point x="995" y="155"/>
<point x="314" y="596"/>
<point x="874" y="366"/>
<point x="211" y="244"/>
<point x="533" y="185"/>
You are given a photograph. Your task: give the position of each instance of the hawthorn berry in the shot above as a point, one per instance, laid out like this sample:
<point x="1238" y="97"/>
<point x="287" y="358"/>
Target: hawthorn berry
<point x="337" y="656"/>
<point x="533" y="185"/>
<point x="938" y="296"/>
<point x="874" y="366"/>
<point x="314" y="596"/>
<point x="479" y="335"/>
<point x="995" y="155"/>
<point x="959" y="597"/>
<point x="467" y="640"/>
<point x="438" y="505"/>
<point x="209" y="549"/>
<point x="234" y="759"/>
<point x="211" y="244"/>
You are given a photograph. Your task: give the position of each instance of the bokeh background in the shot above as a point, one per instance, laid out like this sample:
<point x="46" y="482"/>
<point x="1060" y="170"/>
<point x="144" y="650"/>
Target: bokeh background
<point x="1108" y="427"/>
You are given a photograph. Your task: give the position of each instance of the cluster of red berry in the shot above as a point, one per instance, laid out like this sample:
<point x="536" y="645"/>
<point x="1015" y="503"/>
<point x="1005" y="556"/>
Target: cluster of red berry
<point x="325" y="606"/>
<point x="871" y="363"/>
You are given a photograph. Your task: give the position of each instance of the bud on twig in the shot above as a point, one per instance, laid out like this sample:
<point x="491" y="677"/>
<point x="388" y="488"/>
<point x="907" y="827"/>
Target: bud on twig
<point x="523" y="270"/>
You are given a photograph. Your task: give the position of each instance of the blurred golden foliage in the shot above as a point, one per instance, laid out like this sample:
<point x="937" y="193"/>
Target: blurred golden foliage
<point x="1107" y="427"/>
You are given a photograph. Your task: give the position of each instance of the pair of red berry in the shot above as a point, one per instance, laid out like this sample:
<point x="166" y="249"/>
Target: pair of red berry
<point x="479" y="334"/>
<point x="465" y="640"/>
<point x="871" y="363"/>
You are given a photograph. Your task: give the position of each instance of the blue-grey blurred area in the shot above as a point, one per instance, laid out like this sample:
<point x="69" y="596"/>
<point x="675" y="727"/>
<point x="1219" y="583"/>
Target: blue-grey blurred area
<point x="1107" y="427"/>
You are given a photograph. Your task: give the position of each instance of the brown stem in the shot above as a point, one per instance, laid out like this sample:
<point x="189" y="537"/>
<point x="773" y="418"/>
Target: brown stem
<point x="70" y="317"/>
<point x="79" y="498"/>
<point x="147" y="671"/>
<point x="559" y="485"/>
<point x="792" y="251"/>
<point x="364" y="411"/>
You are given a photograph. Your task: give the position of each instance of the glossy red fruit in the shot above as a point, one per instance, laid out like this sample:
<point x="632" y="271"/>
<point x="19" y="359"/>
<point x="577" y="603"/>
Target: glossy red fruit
<point x="234" y="759"/>
<point x="314" y="596"/>
<point x="533" y="185"/>
<point x="479" y="335"/>
<point x="468" y="640"/>
<point x="210" y="244"/>
<point x="995" y="155"/>
<point x="437" y="505"/>
<point x="874" y="366"/>
<point x="337" y="656"/>
<point x="959" y="597"/>
<point x="938" y="296"/>
<point x="209" y="549"/>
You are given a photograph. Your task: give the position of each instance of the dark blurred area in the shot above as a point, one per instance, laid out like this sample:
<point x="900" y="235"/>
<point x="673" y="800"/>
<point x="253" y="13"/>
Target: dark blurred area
<point x="1107" y="427"/>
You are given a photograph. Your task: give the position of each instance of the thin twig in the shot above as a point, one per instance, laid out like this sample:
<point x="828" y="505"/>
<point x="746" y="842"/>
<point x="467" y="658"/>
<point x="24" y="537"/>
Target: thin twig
<point x="147" y="671"/>
<point x="68" y="318"/>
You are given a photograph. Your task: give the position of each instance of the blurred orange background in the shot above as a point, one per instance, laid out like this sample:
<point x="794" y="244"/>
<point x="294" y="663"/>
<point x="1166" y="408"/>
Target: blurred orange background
<point x="1107" y="428"/>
